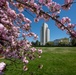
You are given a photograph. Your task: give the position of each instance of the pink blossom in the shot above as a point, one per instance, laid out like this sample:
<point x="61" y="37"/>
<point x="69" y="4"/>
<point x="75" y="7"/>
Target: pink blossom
<point x="62" y="28"/>
<point x="45" y="1"/>
<point x="26" y="26"/>
<point x="36" y="20"/>
<point x="41" y="1"/>
<point x="53" y="14"/>
<point x="33" y="49"/>
<point x="23" y="34"/>
<point x="49" y="4"/>
<point x="25" y="61"/>
<point x="2" y="2"/>
<point x="1" y="26"/>
<point x="65" y="20"/>
<point x="11" y="13"/>
<point x="53" y="6"/>
<point x="73" y="32"/>
<point x="70" y="25"/>
<point x="36" y="6"/>
<point x="2" y="66"/>
<point x="31" y="1"/>
<point x="7" y="50"/>
<point x="35" y="36"/>
<point x="49" y="1"/>
<point x="25" y="68"/>
<point x="68" y="1"/>
<point x="57" y="7"/>
<point x="20" y="15"/>
<point x="25" y="0"/>
<point x="7" y="5"/>
<point x="27" y="20"/>
<point x="68" y="19"/>
<point x="39" y="51"/>
<point x="5" y="21"/>
<point x="67" y="4"/>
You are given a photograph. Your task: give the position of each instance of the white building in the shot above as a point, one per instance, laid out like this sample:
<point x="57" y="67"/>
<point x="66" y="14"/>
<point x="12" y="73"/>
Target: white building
<point x="62" y="40"/>
<point x="45" y="34"/>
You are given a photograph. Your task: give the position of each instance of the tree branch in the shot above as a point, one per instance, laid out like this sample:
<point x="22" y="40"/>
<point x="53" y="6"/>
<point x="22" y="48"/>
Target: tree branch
<point x="68" y="4"/>
<point x="43" y="12"/>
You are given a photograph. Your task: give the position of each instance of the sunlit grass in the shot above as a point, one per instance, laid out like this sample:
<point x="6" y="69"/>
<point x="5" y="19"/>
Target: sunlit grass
<point x="55" y="60"/>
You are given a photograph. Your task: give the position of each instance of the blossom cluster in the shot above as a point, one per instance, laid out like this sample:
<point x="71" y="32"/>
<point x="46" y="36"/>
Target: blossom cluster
<point x="67" y="25"/>
<point x="14" y="29"/>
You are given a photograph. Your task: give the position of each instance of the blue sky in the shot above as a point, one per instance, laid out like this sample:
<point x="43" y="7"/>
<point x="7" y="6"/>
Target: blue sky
<point x="55" y="33"/>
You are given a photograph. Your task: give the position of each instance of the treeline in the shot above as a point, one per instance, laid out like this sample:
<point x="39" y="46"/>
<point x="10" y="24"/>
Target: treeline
<point x="51" y="44"/>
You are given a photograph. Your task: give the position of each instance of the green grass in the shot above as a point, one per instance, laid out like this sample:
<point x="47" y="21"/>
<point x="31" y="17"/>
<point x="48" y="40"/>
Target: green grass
<point x="55" y="60"/>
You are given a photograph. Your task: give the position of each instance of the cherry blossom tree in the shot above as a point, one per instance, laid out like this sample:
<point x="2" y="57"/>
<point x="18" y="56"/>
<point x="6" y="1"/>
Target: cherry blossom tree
<point x="15" y="27"/>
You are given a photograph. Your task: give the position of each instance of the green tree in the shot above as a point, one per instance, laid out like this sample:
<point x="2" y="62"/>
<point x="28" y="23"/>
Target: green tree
<point x="73" y="42"/>
<point x="49" y="44"/>
<point x="37" y="43"/>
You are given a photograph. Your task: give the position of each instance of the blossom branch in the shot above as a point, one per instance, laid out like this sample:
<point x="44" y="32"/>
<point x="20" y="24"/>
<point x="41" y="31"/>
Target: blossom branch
<point x="54" y="18"/>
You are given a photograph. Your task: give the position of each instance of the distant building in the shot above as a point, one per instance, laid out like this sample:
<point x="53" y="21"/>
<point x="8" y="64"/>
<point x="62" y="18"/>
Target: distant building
<point x="44" y="34"/>
<point x="62" y="40"/>
<point x="57" y="41"/>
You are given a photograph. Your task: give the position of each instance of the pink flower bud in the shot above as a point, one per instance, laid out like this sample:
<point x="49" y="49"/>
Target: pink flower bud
<point x="25" y="68"/>
<point x="2" y="66"/>
<point x="39" y="51"/>
<point x="25" y="61"/>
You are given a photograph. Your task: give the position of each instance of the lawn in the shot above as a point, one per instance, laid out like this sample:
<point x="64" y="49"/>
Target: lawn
<point x="55" y="60"/>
